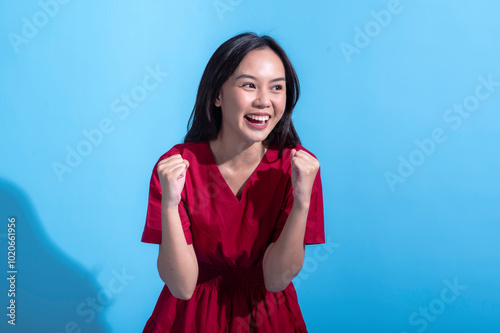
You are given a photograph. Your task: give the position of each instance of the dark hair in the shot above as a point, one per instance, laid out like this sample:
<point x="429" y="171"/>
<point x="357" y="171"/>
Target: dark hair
<point x="205" y="120"/>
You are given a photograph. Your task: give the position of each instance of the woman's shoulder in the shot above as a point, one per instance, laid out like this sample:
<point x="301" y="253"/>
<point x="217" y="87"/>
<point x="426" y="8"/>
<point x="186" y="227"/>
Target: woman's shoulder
<point x="300" y="147"/>
<point x="185" y="149"/>
<point x="287" y="151"/>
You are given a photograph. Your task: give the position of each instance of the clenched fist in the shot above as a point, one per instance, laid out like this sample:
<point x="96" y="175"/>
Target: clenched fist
<point x="304" y="170"/>
<point x="172" y="174"/>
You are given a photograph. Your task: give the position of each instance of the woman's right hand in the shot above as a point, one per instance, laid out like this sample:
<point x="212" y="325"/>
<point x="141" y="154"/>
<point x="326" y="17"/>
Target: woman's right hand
<point x="172" y="175"/>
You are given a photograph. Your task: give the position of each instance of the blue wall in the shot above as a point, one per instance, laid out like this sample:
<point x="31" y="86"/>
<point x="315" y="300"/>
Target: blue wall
<point x="400" y="102"/>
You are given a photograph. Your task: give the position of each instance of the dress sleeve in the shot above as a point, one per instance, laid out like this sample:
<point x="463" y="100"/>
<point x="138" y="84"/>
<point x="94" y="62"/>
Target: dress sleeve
<point x="315" y="225"/>
<point x="152" y="229"/>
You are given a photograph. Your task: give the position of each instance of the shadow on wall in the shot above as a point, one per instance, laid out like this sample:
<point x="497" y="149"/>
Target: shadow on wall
<point x="53" y="293"/>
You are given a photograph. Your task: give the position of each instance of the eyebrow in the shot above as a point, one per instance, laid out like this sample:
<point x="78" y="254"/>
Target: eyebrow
<point x="254" y="78"/>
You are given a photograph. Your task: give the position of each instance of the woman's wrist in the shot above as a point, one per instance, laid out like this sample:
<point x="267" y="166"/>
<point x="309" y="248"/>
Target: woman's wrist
<point x="168" y="205"/>
<point x="300" y="205"/>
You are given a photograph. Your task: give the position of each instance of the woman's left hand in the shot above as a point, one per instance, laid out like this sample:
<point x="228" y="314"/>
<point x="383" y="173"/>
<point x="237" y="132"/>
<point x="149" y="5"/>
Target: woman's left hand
<point x="304" y="170"/>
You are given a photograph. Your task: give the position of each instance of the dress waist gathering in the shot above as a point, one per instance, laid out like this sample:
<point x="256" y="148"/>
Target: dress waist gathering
<point x="230" y="277"/>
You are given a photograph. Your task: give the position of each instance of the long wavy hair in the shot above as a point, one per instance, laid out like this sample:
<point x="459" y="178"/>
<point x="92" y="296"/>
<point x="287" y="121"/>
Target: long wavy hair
<point x="205" y="120"/>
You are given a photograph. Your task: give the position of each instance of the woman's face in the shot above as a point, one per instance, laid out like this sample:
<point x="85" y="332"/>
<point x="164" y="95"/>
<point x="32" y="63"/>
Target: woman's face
<point x="253" y="98"/>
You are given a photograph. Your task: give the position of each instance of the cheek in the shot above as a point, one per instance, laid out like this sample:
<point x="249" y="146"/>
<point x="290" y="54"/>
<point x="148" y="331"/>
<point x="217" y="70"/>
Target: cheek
<point x="280" y="106"/>
<point x="232" y="107"/>
<point x="278" y="117"/>
<point x="239" y="100"/>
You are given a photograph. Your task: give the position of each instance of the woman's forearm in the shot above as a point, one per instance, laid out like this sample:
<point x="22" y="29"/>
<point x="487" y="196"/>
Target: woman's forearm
<point x="284" y="258"/>
<point x="177" y="263"/>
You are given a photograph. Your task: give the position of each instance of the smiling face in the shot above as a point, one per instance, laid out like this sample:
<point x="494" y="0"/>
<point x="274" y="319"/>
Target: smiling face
<point x="253" y="98"/>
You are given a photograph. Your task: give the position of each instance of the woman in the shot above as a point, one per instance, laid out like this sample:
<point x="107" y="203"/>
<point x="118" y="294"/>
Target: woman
<point x="233" y="206"/>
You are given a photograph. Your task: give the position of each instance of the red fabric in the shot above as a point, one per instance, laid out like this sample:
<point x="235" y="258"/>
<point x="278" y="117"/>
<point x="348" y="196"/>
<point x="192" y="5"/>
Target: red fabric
<point x="230" y="237"/>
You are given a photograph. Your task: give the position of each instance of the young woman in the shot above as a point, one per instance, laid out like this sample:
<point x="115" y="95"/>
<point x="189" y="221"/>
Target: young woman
<point x="234" y="205"/>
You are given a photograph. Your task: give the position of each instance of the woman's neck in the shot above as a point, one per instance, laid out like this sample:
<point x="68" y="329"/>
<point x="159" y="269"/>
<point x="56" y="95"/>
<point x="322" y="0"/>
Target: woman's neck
<point x="237" y="154"/>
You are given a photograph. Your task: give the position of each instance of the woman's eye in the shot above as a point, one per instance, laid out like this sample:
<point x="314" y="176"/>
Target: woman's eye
<point x="278" y="87"/>
<point x="249" y="85"/>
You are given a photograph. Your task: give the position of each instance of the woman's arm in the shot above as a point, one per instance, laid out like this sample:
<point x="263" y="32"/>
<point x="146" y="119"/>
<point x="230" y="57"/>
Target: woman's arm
<point x="283" y="259"/>
<point x="177" y="263"/>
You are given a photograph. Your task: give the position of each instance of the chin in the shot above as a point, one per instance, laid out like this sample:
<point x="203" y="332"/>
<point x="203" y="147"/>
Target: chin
<point x="256" y="138"/>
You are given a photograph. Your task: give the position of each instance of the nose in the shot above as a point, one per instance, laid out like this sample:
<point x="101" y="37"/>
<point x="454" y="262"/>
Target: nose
<point x="262" y="99"/>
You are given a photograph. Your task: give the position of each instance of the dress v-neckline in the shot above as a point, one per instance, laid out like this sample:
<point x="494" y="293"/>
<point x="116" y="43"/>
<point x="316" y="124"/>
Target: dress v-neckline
<point x="223" y="180"/>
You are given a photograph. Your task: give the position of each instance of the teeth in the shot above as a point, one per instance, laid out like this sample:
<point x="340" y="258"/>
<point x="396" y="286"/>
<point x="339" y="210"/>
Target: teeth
<point x="259" y="118"/>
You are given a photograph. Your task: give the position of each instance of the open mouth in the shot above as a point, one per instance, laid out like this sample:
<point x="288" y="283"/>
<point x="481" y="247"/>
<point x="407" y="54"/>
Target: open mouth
<point x="258" y="120"/>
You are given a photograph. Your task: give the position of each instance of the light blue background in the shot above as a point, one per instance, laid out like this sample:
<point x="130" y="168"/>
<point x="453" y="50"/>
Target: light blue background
<point x="393" y="249"/>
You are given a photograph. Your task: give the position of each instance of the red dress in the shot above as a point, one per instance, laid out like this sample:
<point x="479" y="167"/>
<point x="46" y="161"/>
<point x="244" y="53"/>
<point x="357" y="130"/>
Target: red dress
<point x="230" y="237"/>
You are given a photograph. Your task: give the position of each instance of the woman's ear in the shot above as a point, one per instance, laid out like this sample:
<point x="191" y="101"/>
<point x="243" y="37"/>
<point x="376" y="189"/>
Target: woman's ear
<point x="217" y="100"/>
